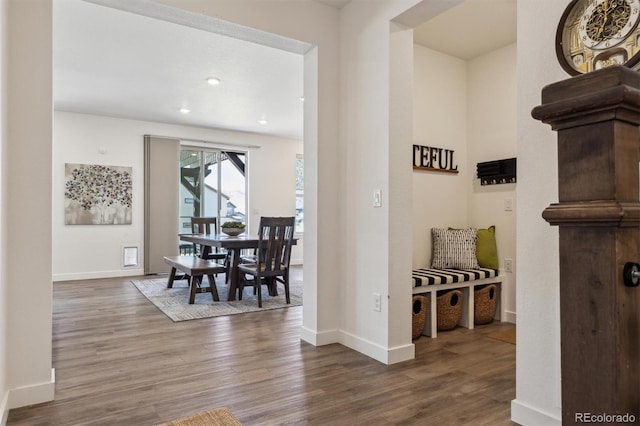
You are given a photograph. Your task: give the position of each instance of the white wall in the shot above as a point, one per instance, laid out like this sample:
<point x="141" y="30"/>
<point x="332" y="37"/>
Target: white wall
<point x="492" y="135"/>
<point x="538" y="396"/>
<point x="4" y="142"/>
<point x="439" y="120"/>
<point x="375" y="239"/>
<point x="26" y="203"/>
<point x="95" y="251"/>
<point x="400" y="190"/>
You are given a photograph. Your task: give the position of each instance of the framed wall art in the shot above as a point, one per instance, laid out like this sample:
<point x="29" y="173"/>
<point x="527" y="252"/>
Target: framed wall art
<point x="97" y="195"/>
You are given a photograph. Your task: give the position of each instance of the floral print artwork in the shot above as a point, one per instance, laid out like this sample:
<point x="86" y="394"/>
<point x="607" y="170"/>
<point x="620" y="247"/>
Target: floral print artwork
<point x="97" y="195"/>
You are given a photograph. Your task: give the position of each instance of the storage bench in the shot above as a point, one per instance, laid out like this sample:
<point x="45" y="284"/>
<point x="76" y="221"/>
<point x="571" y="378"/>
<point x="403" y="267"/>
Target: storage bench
<point x="430" y="281"/>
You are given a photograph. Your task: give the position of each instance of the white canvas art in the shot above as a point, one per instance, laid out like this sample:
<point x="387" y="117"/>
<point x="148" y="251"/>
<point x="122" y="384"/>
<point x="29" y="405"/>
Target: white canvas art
<point x="97" y="195"/>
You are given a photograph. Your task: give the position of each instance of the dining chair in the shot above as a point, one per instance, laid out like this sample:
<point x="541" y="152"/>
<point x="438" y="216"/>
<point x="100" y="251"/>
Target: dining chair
<point x="207" y="225"/>
<point x="275" y="238"/>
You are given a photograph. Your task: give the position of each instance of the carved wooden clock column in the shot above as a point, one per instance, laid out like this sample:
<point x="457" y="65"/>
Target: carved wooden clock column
<point x="597" y="117"/>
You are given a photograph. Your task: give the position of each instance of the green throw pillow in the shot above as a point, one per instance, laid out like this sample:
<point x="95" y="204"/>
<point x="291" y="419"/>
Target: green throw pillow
<point x="486" y="249"/>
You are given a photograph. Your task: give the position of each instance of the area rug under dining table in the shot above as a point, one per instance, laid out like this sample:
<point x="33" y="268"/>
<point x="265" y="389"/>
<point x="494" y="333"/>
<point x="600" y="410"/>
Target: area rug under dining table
<point x="174" y="302"/>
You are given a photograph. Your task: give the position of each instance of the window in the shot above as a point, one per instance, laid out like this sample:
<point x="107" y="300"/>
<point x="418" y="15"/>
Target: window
<point x="299" y="194"/>
<point x="213" y="184"/>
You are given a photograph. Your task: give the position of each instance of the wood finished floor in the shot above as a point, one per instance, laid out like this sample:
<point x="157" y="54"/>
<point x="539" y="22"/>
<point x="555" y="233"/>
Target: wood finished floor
<point x="120" y="361"/>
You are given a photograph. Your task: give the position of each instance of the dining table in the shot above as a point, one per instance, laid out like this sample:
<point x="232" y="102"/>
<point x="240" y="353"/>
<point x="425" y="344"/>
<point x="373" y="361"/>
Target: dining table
<point x="234" y="246"/>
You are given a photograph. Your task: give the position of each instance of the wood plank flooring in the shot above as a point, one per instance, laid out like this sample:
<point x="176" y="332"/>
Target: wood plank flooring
<point x="120" y="361"/>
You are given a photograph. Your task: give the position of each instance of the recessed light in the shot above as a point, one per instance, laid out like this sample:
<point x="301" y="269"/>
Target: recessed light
<point x="213" y="81"/>
<point x="262" y="121"/>
<point x="185" y="110"/>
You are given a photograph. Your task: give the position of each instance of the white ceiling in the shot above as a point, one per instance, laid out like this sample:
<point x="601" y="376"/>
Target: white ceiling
<point x="121" y="64"/>
<point x="470" y="29"/>
<point x="116" y="63"/>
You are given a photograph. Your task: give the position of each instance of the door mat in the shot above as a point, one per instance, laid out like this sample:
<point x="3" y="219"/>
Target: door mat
<point x="218" y="417"/>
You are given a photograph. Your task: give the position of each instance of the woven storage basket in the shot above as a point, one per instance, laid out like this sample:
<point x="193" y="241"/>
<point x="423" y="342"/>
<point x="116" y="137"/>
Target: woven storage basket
<point x="484" y="304"/>
<point x="449" y="309"/>
<point x="419" y="315"/>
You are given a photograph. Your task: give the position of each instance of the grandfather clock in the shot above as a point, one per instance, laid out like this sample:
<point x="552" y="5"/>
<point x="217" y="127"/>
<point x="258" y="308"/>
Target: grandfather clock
<point x="597" y="117"/>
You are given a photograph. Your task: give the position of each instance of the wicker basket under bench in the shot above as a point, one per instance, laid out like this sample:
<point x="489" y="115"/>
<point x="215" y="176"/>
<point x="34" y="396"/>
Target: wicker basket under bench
<point x="430" y="281"/>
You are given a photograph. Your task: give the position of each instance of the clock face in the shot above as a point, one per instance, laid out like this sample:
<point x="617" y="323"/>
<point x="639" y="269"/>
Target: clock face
<point x="595" y="34"/>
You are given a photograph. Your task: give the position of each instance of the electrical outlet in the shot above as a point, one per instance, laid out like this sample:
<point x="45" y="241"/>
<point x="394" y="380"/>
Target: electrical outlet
<point x="508" y="265"/>
<point x="508" y="204"/>
<point x="377" y="302"/>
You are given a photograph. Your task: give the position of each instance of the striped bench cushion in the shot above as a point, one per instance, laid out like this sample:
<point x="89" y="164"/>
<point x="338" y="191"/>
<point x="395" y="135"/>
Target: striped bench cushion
<point x="425" y="277"/>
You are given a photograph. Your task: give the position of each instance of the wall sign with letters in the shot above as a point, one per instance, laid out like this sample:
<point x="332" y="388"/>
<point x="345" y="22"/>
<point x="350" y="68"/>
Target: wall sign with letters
<point x="433" y="159"/>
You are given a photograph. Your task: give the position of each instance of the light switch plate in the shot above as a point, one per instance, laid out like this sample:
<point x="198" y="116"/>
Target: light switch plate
<point x="377" y="198"/>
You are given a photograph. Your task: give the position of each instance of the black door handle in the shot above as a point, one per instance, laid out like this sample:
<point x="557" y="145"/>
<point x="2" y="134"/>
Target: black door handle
<point x="631" y="274"/>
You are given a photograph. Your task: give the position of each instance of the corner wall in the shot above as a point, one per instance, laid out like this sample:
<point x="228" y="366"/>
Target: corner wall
<point x="4" y="142"/>
<point x="27" y="197"/>
<point x="538" y="396"/>
<point x="373" y="140"/>
<point x="439" y="120"/>
<point x="492" y="135"/>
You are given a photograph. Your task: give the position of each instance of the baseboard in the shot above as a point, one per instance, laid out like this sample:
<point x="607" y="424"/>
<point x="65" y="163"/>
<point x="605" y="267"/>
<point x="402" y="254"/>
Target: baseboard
<point x="372" y="350"/>
<point x="377" y="352"/>
<point x="510" y="317"/>
<point x="4" y="409"/>
<point x="97" y="275"/>
<point x="526" y="415"/>
<point x="402" y="353"/>
<point x="33" y="394"/>
<point x="319" y="338"/>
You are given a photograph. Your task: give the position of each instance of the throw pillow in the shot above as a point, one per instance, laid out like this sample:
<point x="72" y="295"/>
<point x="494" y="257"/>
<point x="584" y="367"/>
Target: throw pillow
<point x="487" y="250"/>
<point x="454" y="248"/>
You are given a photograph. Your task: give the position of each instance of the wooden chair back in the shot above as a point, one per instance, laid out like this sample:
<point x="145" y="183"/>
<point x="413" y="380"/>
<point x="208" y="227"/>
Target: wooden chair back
<point x="274" y="246"/>
<point x="203" y="225"/>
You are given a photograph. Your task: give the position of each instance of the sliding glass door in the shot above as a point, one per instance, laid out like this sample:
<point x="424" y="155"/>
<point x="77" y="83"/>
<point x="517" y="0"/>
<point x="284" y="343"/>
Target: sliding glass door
<point x="213" y="184"/>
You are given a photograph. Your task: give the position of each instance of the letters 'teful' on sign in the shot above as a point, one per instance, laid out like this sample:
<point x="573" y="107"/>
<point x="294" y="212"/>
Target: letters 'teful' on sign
<point x="433" y="159"/>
